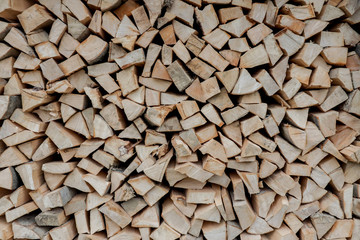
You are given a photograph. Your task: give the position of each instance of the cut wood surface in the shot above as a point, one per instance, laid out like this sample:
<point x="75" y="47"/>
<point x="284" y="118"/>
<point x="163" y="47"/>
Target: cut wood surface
<point x="180" y="119"/>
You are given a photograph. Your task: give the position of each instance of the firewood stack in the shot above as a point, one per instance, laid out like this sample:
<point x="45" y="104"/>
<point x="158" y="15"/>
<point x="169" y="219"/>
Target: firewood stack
<point x="190" y="119"/>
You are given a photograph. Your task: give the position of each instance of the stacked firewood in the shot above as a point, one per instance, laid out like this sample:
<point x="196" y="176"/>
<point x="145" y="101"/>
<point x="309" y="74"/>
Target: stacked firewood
<point x="190" y="119"/>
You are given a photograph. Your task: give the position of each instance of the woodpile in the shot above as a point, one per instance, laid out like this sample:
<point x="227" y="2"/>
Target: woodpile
<point x="180" y="119"/>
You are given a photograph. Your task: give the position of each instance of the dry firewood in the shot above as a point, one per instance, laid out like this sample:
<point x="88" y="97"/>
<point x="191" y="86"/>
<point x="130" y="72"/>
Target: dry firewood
<point x="9" y="181"/>
<point x="245" y="84"/>
<point x="183" y="11"/>
<point x="254" y="57"/>
<point x="231" y="56"/>
<point x="71" y="138"/>
<point x="16" y="39"/>
<point x="179" y="75"/>
<point x="239" y="44"/>
<point x="238" y="26"/>
<point x="209" y="55"/>
<point x="207" y="18"/>
<point x="68" y="45"/>
<point x="260" y="95"/>
<point x="230" y="13"/>
<point x="217" y="38"/>
<point x="58" y="29"/>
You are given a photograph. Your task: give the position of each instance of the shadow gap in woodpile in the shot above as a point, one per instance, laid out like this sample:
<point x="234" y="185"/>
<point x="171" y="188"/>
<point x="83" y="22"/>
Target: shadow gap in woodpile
<point x="180" y="119"/>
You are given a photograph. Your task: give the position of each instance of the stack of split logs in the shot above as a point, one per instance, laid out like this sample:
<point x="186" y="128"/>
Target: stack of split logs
<point x="180" y="119"/>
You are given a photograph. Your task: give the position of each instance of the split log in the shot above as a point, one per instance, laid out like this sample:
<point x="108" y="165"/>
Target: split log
<point x="227" y="119"/>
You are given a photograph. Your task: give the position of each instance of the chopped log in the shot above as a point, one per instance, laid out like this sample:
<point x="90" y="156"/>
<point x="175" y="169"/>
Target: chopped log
<point x="179" y="76"/>
<point x="115" y="213"/>
<point x="71" y="139"/>
<point x="71" y="65"/>
<point x="281" y="125"/>
<point x="246" y="84"/>
<point x="35" y="17"/>
<point x="254" y="57"/>
<point x="65" y="231"/>
<point x="209" y="55"/>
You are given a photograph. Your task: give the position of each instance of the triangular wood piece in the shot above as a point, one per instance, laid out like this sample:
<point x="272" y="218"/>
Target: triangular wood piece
<point x="156" y="172"/>
<point x="124" y="193"/>
<point x="278" y="113"/>
<point x="208" y="212"/>
<point x="54" y="181"/>
<point x="254" y="57"/>
<point x="8" y="128"/>
<point x="156" y="115"/>
<point x="89" y="115"/>
<point x="231" y="149"/>
<point x="127" y="28"/>
<point x="246" y="84"/>
<point x="159" y="71"/>
<point x="335" y="96"/>
<point x="233" y="229"/>
<point x="132" y="110"/>
<point x="137" y="95"/>
<point x="258" y="109"/>
<point x="319" y="79"/>
<point x="117" y="179"/>
<point x="94" y="200"/>
<point x="231" y="56"/>
<point x="289" y="152"/>
<point x="182" y="31"/>
<point x="330" y="12"/>
<point x="28" y="148"/>
<point x="213" y="230"/>
<point x="233" y="132"/>
<point x="215" y="149"/>
<point x="266" y="169"/>
<point x="9" y="179"/>
<point x="294" y="135"/>
<point x="166" y="231"/>
<point x="319" y="94"/>
<point x="12" y="157"/>
<point x="131" y="132"/>
<point x="101" y="128"/>
<point x="298" y="117"/>
<point x="259" y="226"/>
<point x="171" y="124"/>
<point x="302" y="100"/>
<point x="111" y="227"/>
<point x="67" y="154"/>
<point x="66" y="112"/>
<point x="328" y="147"/>
<point x="76" y="29"/>
<point x="32" y="99"/>
<point x="313" y="137"/>
<point x="313" y="27"/>
<point x="74" y="180"/>
<point x="21" y="137"/>
<point x="250" y="149"/>
<point x="115" y="51"/>
<point x="278" y="72"/>
<point x="77" y="124"/>
<point x="154" y="8"/>
<point x="322" y="222"/>
<point x="127" y="42"/>
<point x="98" y="182"/>
<point x="196" y="91"/>
<point x="13" y="86"/>
<point x="228" y="78"/>
<point x="87" y="147"/>
<point x="46" y="149"/>
<point x="238" y="26"/>
<point x="312" y="190"/>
